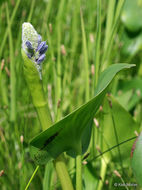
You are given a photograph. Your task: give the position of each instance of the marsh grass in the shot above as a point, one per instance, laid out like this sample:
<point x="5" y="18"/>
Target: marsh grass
<point x="88" y="30"/>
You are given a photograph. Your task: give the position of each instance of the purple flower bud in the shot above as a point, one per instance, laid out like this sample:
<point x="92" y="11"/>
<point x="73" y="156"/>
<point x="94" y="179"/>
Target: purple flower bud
<point x="43" y="49"/>
<point x="40" y="59"/>
<point x="29" y="45"/>
<point x="40" y="46"/>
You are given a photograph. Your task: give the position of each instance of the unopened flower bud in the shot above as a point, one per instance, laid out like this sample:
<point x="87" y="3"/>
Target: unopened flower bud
<point x="33" y="46"/>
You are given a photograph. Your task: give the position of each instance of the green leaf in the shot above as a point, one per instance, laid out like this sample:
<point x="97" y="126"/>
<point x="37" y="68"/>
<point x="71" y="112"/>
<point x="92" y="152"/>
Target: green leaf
<point x="131" y="93"/>
<point x="131" y="45"/>
<point x="124" y="99"/>
<point x="65" y="135"/>
<point x="90" y="176"/>
<point x="132" y="14"/>
<point x="118" y="126"/>
<point x="136" y="161"/>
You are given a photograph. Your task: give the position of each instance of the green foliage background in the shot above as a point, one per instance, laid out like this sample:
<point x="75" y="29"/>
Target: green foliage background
<point x="69" y="79"/>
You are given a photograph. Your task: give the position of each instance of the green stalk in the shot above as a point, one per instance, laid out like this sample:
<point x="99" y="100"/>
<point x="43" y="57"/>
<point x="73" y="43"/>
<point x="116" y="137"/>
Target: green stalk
<point x="123" y="182"/>
<point x="31" y="10"/>
<point x="87" y="90"/>
<point x="36" y="89"/>
<point x="79" y="169"/>
<point x="4" y="91"/>
<point x="109" y="21"/>
<point x="74" y="42"/>
<point x="102" y="173"/>
<point x="47" y="13"/>
<point x="58" y="74"/>
<point x="45" y="119"/>
<point x="32" y="177"/>
<point x="48" y="179"/>
<point x="118" y="10"/>
<point x="59" y="163"/>
<point x="11" y="21"/>
<point x="62" y="172"/>
<point x="12" y="72"/>
<point x="98" y="42"/>
<point x="108" y="49"/>
<point x="87" y="93"/>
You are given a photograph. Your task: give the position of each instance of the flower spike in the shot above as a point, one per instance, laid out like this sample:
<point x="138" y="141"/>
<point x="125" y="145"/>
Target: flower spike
<point x="33" y="46"/>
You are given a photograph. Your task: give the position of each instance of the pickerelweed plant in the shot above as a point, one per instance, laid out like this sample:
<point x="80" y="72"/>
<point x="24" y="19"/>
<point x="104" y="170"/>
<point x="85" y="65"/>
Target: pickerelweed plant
<point x="33" y="52"/>
<point x="71" y="134"/>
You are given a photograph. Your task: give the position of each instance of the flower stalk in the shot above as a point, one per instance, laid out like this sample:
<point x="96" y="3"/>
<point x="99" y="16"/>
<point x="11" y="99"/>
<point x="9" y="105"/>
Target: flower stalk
<point x="79" y="168"/>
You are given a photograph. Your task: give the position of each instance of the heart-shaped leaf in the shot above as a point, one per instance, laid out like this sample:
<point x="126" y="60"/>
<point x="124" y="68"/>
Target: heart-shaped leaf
<point x="66" y="135"/>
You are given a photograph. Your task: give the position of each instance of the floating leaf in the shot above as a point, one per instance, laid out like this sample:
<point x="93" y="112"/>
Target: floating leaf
<point x="137" y="159"/>
<point x="65" y="135"/>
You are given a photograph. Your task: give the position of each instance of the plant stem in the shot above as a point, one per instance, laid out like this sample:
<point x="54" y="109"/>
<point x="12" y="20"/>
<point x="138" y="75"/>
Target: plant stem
<point x="58" y="75"/>
<point x="12" y="72"/>
<point x="85" y="59"/>
<point x="11" y="21"/>
<point x="45" y="120"/>
<point x="108" y="48"/>
<point x="79" y="169"/>
<point x="102" y="173"/>
<point x="39" y="101"/>
<point x="31" y="10"/>
<point x="98" y="42"/>
<point x="74" y="41"/>
<point x="32" y="177"/>
<point x="59" y="163"/>
<point x="109" y="22"/>
<point x="124" y="184"/>
<point x="62" y="172"/>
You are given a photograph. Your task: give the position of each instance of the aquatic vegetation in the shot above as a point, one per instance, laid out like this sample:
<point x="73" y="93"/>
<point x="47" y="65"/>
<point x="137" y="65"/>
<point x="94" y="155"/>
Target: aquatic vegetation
<point x="70" y="117"/>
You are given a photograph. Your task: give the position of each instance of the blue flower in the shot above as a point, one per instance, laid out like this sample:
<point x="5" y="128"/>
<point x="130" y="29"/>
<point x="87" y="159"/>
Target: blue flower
<point x="38" y="54"/>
